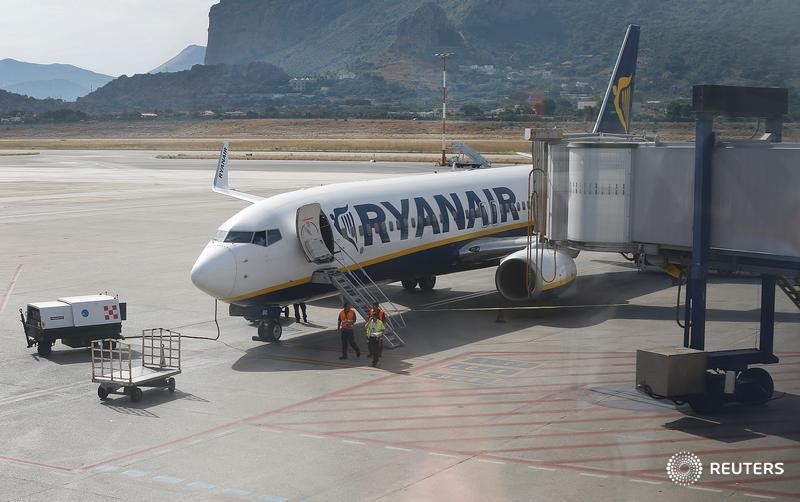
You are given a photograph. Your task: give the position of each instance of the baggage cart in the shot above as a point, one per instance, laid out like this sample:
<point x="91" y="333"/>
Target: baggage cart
<point x="115" y="367"/>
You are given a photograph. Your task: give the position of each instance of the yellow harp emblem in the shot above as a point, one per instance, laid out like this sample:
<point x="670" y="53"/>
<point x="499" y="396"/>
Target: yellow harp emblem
<point x="622" y="100"/>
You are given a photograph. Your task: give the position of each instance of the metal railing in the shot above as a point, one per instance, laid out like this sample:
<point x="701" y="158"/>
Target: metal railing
<point x="111" y="360"/>
<point x="161" y="348"/>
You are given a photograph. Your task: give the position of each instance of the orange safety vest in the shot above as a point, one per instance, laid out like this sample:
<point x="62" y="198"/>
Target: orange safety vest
<point x="348" y="319"/>
<point x="381" y="314"/>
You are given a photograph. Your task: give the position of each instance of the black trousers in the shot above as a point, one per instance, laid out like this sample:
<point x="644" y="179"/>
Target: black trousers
<point x="348" y="338"/>
<point x="375" y="345"/>
<point x="297" y="307"/>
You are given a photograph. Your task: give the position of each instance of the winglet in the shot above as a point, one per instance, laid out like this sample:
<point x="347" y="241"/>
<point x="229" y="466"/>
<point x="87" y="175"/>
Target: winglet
<point x="615" y="112"/>
<point x="220" y="182"/>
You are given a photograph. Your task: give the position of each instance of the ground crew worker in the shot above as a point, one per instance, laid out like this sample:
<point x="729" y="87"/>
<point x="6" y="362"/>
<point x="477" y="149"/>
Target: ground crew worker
<point x="374" y="330"/>
<point x="377" y="312"/>
<point x="297" y="308"/>
<point x="346" y="327"/>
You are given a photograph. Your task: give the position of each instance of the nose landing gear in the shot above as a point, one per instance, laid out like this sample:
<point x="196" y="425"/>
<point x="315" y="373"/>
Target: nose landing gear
<point x="269" y="330"/>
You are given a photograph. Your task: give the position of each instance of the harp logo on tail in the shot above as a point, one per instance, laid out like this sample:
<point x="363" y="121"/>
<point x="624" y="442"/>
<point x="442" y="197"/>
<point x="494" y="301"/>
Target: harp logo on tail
<point x="622" y="100"/>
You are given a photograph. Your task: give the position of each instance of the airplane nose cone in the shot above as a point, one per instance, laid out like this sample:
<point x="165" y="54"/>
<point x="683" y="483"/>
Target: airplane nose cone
<point x="214" y="272"/>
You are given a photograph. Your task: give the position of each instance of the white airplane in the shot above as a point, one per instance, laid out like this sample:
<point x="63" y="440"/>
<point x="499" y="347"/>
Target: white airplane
<point x="408" y="229"/>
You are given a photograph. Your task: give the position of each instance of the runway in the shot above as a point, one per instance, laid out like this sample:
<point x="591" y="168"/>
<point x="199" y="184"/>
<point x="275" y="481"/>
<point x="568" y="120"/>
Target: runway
<point x="540" y="406"/>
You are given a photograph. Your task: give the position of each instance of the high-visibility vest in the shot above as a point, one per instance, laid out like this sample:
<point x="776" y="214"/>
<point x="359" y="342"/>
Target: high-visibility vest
<point x="374" y="327"/>
<point x="348" y="319"/>
<point x="381" y="314"/>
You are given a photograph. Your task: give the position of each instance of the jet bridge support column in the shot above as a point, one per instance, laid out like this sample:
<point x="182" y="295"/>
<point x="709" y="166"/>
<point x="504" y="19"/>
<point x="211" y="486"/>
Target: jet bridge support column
<point x="695" y="327"/>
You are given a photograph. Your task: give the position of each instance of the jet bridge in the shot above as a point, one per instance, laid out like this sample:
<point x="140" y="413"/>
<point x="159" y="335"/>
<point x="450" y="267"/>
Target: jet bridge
<point x="731" y="206"/>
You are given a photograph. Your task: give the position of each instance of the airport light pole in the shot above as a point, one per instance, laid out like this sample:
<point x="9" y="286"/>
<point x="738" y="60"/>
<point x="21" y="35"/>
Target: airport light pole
<point x="443" y="56"/>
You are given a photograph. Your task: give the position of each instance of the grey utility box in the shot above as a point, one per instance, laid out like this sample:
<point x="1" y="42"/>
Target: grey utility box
<point x="671" y="371"/>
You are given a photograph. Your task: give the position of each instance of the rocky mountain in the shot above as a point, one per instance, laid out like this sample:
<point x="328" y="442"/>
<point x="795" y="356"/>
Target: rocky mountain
<point x="683" y="41"/>
<point x="188" y="57"/>
<point x="211" y="86"/>
<point x="62" y="81"/>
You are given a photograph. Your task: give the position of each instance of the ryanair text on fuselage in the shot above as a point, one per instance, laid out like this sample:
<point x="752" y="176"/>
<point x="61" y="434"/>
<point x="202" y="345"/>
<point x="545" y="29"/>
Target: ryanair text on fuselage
<point x="455" y="211"/>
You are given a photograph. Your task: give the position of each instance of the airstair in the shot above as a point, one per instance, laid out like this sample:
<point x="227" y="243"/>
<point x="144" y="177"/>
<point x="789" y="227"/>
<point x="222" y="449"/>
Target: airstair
<point x="477" y="160"/>
<point x="361" y="292"/>
<point x="343" y="272"/>
<point x="790" y="286"/>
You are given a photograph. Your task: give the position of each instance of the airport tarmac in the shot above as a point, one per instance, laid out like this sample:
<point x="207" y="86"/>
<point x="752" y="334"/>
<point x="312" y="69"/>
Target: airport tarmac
<point x="541" y="406"/>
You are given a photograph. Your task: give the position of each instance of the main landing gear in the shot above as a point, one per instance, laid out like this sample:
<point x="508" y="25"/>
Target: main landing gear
<point x="425" y="283"/>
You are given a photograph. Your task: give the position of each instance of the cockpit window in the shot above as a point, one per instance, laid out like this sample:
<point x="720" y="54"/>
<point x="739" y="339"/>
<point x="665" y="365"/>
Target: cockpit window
<point x="273" y="236"/>
<point x="220" y="235"/>
<point x="236" y="236"/>
<point x="260" y="238"/>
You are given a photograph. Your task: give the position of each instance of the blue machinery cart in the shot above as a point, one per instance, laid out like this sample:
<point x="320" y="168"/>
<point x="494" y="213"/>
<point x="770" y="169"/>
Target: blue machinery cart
<point x="113" y="364"/>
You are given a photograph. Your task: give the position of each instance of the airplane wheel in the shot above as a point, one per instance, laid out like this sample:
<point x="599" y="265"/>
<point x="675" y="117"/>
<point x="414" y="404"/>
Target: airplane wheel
<point x="754" y="386"/>
<point x="44" y="348"/>
<point x="409" y="285"/>
<point x="427" y="283"/>
<point x="270" y="330"/>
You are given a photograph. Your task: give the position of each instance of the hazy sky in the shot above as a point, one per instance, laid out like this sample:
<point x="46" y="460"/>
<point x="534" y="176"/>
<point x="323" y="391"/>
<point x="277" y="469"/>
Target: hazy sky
<point x="108" y="36"/>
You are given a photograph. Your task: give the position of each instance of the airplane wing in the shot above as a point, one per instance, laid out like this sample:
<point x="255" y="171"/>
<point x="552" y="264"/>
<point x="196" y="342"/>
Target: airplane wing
<point x="220" y="182"/>
<point x="488" y="249"/>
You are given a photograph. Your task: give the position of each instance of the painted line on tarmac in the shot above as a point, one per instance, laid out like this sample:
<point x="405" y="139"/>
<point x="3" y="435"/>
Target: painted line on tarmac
<point x="397" y="448"/>
<point x="592" y="475"/>
<point x="440" y="454"/>
<point x="758" y="496"/>
<point x="645" y="481"/>
<point x="10" y="289"/>
<point x="172" y="480"/>
<point x="700" y="488"/>
<point x="538" y="468"/>
<point x="349" y="441"/>
<point x="487" y="461"/>
<point x="38" y="393"/>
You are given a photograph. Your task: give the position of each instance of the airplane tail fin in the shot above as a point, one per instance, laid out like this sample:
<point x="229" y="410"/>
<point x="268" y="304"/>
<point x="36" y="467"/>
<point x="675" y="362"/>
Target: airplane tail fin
<point x="615" y="113"/>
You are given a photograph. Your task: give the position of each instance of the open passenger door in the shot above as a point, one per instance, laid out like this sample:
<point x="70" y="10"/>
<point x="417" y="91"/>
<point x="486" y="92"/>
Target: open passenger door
<point x="314" y="233"/>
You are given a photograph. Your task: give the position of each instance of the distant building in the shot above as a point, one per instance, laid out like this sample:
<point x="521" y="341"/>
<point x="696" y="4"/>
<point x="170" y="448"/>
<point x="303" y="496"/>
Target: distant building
<point x="207" y="113"/>
<point x="11" y="120"/>
<point x="300" y="84"/>
<point x="589" y="103"/>
<point x="345" y="75"/>
<point x="235" y="114"/>
<point x="148" y="115"/>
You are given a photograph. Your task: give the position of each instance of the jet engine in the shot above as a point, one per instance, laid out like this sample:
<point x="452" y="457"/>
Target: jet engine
<point x="549" y="269"/>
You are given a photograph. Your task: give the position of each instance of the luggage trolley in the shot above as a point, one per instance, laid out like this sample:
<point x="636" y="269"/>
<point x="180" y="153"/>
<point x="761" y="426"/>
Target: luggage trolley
<point x="113" y="367"/>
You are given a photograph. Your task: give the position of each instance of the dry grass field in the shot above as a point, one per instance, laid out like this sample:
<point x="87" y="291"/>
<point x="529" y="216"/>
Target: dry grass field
<point x="317" y="138"/>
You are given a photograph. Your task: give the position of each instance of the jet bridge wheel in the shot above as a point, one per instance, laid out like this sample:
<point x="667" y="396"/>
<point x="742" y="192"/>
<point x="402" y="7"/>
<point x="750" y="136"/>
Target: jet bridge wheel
<point x="270" y="330"/>
<point x="754" y="386"/>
